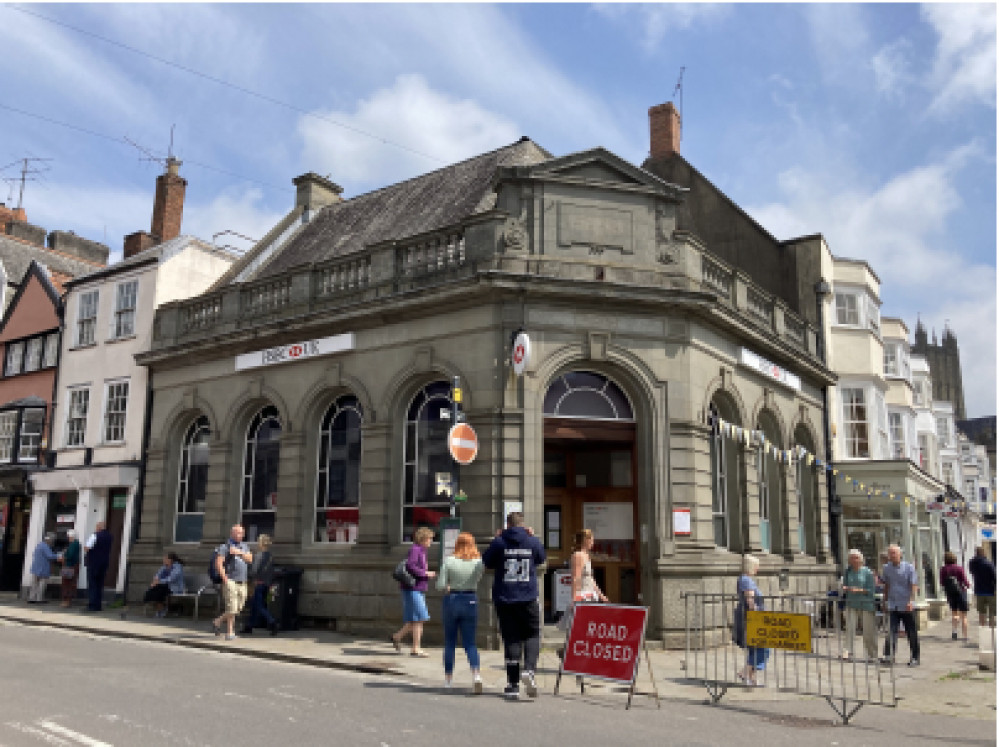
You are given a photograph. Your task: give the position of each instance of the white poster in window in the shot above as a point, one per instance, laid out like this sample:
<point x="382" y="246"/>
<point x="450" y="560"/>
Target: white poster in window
<point x="610" y="521"/>
<point x="681" y="521"/>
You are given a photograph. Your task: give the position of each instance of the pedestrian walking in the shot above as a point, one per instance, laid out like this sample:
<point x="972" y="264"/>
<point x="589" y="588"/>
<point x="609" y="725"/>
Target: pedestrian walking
<point x="984" y="574"/>
<point x="232" y="561"/>
<point x="41" y="568"/>
<point x="514" y="555"/>
<point x="70" y="573"/>
<point x="263" y="577"/>
<point x="414" y="601"/>
<point x="955" y="585"/>
<point x="169" y="579"/>
<point x="750" y="600"/>
<point x="901" y="589"/>
<point x="97" y="558"/>
<point x="584" y="585"/>
<point x="459" y="580"/>
<point x="858" y="590"/>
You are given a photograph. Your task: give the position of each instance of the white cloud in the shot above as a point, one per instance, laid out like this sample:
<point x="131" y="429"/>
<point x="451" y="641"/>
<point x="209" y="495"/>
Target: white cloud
<point x="965" y="64"/>
<point x="839" y="37"/>
<point x="653" y="21"/>
<point x="411" y="114"/>
<point x="900" y="227"/>
<point x="892" y="69"/>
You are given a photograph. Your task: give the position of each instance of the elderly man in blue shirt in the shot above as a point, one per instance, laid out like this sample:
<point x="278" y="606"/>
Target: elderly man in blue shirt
<point x="41" y="568"/>
<point x="901" y="588"/>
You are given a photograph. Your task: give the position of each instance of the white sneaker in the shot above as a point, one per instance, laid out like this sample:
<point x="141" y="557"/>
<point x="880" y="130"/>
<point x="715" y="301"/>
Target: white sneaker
<point x="477" y="685"/>
<point x="447" y="684"/>
<point x="530" y="688"/>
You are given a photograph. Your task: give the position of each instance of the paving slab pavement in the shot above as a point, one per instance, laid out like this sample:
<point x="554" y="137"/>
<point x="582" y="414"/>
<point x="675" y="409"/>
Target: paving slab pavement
<point x="948" y="682"/>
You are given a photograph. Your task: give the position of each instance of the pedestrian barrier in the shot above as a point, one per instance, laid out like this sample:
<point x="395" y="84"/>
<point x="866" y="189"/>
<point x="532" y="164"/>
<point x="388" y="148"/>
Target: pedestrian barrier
<point x="805" y="637"/>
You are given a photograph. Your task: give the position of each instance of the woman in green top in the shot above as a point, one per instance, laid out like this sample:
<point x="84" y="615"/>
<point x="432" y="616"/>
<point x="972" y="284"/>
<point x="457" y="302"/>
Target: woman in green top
<point x="70" y="568"/>
<point x="458" y="579"/>
<point x="858" y="590"/>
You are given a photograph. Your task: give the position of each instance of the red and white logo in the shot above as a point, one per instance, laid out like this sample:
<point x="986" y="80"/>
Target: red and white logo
<point x="295" y="350"/>
<point x="521" y="355"/>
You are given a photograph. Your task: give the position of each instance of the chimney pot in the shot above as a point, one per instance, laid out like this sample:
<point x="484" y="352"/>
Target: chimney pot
<point x="664" y="130"/>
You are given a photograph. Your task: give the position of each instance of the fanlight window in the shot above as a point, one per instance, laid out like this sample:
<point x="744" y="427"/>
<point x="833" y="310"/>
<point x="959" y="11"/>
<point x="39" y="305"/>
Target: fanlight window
<point x="583" y="394"/>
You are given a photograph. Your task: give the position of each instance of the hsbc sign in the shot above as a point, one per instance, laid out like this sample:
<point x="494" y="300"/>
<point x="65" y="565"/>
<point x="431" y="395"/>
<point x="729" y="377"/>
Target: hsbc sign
<point x="296" y="351"/>
<point x="771" y="370"/>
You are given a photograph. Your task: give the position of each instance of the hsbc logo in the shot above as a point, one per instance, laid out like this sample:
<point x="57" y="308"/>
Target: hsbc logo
<point x="296" y="351"/>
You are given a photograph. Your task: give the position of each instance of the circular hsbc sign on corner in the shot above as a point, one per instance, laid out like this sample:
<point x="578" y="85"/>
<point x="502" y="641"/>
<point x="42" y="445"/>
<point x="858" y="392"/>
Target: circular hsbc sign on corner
<point x="463" y="443"/>
<point x="521" y="353"/>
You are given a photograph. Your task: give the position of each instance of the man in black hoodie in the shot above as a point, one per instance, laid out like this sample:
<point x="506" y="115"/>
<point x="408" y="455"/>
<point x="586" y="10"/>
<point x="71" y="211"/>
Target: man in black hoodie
<point x="515" y="555"/>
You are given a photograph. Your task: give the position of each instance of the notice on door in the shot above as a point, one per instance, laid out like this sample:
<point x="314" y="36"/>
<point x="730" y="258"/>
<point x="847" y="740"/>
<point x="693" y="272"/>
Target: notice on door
<point x="610" y="521"/>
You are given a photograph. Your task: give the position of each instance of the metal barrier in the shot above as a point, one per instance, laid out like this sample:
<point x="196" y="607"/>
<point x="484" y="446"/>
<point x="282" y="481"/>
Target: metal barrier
<point x="816" y="667"/>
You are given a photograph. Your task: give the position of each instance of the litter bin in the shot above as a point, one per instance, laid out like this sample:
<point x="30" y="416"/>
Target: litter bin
<point x="283" y="600"/>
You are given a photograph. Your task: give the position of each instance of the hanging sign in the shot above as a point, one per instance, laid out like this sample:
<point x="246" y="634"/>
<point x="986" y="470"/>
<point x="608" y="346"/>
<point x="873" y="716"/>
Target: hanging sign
<point x="296" y="351"/>
<point x="521" y="354"/>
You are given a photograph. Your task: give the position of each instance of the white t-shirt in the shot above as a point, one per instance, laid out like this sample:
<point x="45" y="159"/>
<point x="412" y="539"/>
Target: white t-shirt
<point x="91" y="541"/>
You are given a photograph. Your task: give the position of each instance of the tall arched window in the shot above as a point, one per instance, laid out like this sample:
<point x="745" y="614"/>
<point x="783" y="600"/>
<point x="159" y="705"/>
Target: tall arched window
<point x="727" y="468"/>
<point x="806" y="484"/>
<point x="260" y="473"/>
<point x="771" y="487"/>
<point x="338" y="482"/>
<point x="429" y="468"/>
<point x="194" y="458"/>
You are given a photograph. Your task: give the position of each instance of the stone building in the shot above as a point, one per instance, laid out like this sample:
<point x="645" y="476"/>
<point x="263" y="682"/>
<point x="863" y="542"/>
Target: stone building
<point x="945" y="366"/>
<point x="309" y="393"/>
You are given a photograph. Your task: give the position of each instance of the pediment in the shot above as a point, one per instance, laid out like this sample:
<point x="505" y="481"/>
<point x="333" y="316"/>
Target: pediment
<point x="596" y="171"/>
<point x="598" y="166"/>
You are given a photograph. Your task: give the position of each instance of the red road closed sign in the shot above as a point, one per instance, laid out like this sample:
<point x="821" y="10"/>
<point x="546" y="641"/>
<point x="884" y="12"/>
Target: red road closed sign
<point x="604" y="641"/>
<point x="462" y="443"/>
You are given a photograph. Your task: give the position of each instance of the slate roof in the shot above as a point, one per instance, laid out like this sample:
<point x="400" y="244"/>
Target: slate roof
<point x="425" y="203"/>
<point x="17" y="255"/>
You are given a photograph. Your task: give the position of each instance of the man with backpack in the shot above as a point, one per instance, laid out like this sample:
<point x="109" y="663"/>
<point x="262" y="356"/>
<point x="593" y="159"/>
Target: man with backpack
<point x="229" y="567"/>
<point x="515" y="555"/>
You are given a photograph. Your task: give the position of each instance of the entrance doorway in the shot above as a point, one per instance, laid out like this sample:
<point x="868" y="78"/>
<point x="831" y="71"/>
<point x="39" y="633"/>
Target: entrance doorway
<point x="117" y="503"/>
<point x="15" y="513"/>
<point x="590" y="483"/>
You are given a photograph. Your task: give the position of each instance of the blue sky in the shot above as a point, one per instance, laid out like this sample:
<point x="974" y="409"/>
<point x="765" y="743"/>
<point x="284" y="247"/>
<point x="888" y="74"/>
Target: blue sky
<point x="874" y="125"/>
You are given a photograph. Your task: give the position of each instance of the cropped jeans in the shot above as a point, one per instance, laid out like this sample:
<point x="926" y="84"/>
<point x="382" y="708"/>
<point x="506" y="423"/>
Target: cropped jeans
<point x="461" y="614"/>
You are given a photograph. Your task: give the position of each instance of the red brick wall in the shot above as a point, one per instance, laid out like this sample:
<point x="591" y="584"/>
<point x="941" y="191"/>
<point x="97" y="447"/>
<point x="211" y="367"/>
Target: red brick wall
<point x="664" y="130"/>
<point x="168" y="207"/>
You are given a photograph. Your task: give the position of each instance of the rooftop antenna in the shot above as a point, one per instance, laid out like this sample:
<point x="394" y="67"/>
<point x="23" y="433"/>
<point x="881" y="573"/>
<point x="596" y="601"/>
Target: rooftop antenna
<point x="150" y="156"/>
<point x="28" y="174"/>
<point x="678" y="97"/>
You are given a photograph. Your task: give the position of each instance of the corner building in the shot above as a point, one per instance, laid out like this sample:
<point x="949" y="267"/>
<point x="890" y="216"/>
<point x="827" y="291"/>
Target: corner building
<point x="308" y="394"/>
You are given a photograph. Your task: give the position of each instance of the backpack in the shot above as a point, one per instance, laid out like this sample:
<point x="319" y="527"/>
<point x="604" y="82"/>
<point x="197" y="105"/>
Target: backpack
<point x="953" y="588"/>
<point x="213" y="572"/>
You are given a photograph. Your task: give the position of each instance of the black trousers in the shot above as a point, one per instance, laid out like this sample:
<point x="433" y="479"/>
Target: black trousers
<point x="157" y="593"/>
<point x="95" y="586"/>
<point x="520" y="626"/>
<point x="908" y="620"/>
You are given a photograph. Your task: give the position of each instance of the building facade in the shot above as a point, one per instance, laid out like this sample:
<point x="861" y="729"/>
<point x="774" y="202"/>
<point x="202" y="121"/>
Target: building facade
<point x="309" y="394"/>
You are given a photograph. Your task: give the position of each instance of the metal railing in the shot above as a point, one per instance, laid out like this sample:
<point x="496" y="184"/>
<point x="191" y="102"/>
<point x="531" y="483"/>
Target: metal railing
<point x="714" y="660"/>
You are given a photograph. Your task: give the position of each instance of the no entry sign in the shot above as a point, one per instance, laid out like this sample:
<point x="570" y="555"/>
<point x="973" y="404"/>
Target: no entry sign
<point x="462" y="443"/>
<point x="604" y="641"/>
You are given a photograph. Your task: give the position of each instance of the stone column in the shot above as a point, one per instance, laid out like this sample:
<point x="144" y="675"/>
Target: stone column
<point x="222" y="492"/>
<point x="289" y="521"/>
<point x="379" y="514"/>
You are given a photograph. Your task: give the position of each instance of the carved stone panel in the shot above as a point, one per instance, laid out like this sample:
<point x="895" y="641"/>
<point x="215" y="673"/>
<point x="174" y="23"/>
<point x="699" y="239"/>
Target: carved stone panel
<point x="598" y="228"/>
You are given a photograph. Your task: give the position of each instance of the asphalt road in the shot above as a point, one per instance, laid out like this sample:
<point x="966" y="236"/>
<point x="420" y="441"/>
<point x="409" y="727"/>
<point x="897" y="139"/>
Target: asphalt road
<point x="68" y="689"/>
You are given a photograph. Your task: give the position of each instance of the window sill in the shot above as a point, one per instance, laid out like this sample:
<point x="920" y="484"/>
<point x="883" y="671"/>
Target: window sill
<point x="85" y="346"/>
<point x="124" y="338"/>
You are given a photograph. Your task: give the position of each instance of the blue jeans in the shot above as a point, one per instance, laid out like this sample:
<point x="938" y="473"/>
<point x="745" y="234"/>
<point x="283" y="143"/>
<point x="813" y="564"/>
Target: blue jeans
<point x="461" y="613"/>
<point x="258" y="609"/>
<point x="757" y="657"/>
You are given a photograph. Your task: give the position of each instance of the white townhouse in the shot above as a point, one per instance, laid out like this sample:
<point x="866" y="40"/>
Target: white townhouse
<point x="96" y="457"/>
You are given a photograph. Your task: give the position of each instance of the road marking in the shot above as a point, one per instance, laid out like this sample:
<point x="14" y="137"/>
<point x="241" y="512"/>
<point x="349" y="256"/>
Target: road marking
<point x="43" y="735"/>
<point x="70" y="734"/>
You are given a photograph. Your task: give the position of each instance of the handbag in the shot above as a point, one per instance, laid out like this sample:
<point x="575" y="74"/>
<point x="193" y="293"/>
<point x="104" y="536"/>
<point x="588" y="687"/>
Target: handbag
<point x="68" y="573"/>
<point x="402" y="575"/>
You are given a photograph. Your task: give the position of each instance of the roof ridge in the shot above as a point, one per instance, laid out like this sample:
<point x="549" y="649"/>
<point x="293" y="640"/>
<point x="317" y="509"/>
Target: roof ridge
<point x="49" y="249"/>
<point x="522" y="139"/>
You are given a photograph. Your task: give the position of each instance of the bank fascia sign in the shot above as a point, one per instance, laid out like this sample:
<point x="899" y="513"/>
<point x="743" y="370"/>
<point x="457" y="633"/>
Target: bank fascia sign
<point x="771" y="370"/>
<point x="295" y="351"/>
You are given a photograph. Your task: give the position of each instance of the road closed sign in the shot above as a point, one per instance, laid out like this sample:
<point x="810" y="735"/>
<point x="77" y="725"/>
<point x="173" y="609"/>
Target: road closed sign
<point x="604" y="641"/>
<point x="462" y="443"/>
<point x="785" y="630"/>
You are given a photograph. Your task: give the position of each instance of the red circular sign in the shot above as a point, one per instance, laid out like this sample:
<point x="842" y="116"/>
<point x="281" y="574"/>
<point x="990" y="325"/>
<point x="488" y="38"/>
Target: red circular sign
<point x="518" y="354"/>
<point x="462" y="443"/>
<point x="295" y="350"/>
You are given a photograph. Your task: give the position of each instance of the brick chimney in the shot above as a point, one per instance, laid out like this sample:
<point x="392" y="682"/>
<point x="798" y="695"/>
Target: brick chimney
<point x="168" y="209"/>
<point x="664" y="130"/>
<point x="11" y="215"/>
<point x="137" y="242"/>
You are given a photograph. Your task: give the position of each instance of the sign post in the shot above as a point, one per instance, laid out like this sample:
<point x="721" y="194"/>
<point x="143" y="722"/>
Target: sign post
<point x="604" y="642"/>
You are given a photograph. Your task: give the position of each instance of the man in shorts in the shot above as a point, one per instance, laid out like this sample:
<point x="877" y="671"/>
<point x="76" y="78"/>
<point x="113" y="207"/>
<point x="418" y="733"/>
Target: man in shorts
<point x="232" y="562"/>
<point x="984" y="574"/>
<point x="515" y="555"/>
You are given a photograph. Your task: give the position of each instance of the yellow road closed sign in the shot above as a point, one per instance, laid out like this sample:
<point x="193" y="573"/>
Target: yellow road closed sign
<point x="786" y="630"/>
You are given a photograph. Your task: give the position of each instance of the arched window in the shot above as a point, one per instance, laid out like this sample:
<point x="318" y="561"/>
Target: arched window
<point x="194" y="458"/>
<point x="260" y="473"/>
<point x="429" y="468"/>
<point x="806" y="486"/>
<point x="727" y="468"/>
<point x="338" y="481"/>
<point x="771" y="486"/>
<point x="583" y="394"/>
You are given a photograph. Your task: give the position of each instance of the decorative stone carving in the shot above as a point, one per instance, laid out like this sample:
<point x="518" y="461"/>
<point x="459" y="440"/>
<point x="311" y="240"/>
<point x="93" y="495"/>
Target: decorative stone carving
<point x="514" y="235"/>
<point x="665" y="254"/>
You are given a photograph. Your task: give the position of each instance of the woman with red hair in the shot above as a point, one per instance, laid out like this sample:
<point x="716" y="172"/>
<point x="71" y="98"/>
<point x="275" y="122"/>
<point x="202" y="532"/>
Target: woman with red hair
<point x="459" y="577"/>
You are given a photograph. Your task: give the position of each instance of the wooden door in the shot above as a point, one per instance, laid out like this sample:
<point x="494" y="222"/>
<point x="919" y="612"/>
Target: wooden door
<point x="117" y="503"/>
